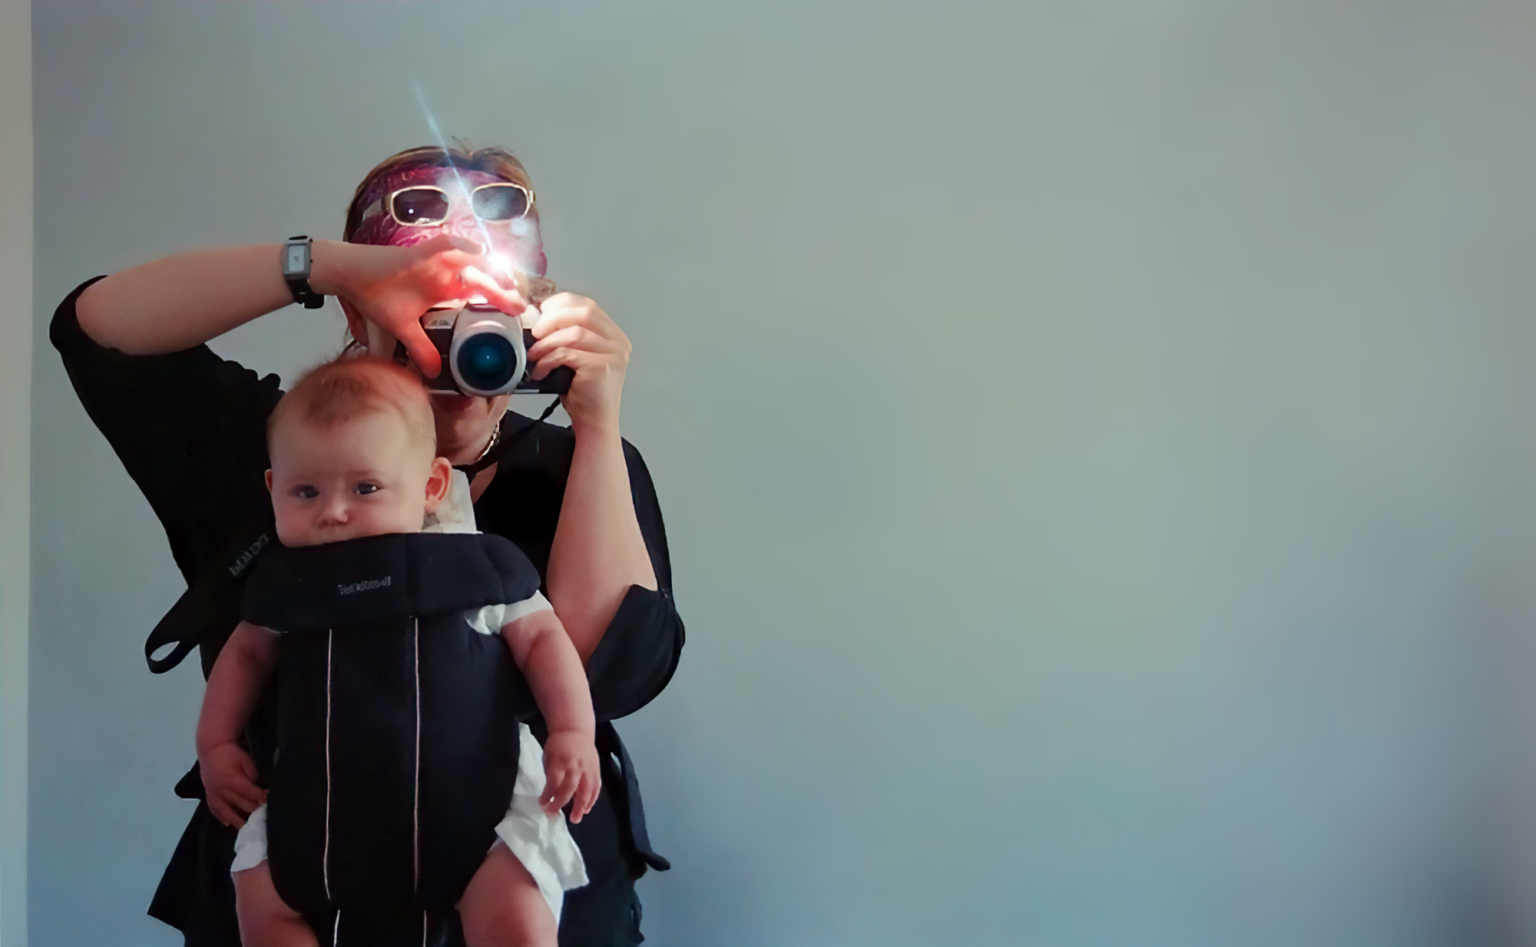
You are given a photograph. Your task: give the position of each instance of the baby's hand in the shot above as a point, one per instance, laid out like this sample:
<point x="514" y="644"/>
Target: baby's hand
<point x="229" y="783"/>
<point x="570" y="771"/>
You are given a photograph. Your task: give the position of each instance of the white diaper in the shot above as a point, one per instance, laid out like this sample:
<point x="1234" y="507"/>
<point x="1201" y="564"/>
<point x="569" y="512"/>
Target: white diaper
<point x="542" y="842"/>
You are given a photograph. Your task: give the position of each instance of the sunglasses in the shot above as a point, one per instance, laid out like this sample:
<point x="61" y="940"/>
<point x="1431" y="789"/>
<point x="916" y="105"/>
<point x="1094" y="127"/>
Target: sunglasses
<point x="423" y="204"/>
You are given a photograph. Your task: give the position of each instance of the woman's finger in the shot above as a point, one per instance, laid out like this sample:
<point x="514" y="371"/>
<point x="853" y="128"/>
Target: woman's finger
<point x="575" y="358"/>
<point x="420" y="348"/>
<point x="578" y="337"/>
<point x="555" y="315"/>
<point x="509" y="301"/>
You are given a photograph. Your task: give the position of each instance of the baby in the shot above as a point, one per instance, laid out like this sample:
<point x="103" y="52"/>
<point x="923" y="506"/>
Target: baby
<point x="353" y="455"/>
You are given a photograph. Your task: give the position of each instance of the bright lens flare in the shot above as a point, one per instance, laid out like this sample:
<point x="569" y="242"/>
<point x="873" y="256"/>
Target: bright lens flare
<point x="438" y="134"/>
<point x="501" y="264"/>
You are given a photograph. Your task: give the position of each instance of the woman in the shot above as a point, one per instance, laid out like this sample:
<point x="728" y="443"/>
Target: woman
<point x="427" y="227"/>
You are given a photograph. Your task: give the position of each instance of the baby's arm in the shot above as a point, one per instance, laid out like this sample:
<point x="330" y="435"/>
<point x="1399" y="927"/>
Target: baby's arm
<point x="544" y="653"/>
<point x="229" y="776"/>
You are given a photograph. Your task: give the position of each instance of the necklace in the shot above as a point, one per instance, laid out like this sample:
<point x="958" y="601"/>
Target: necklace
<point x="480" y="463"/>
<point x="495" y="436"/>
<point x="485" y="459"/>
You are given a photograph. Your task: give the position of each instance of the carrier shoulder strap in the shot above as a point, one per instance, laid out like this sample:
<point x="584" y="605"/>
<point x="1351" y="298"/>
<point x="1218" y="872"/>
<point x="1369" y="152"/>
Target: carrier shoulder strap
<point x="214" y="597"/>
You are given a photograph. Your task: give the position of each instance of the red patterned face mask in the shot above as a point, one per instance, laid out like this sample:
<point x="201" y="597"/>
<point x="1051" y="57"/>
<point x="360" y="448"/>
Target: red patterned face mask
<point x="409" y="207"/>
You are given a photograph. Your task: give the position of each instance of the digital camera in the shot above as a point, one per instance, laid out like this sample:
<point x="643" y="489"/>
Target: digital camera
<point x="484" y="352"/>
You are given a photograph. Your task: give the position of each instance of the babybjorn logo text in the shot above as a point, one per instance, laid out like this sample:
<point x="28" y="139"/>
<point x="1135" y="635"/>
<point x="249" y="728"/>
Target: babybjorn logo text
<point x="363" y="586"/>
<point x="244" y="559"/>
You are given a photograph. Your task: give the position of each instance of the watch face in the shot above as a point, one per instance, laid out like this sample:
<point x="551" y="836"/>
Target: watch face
<point x="295" y="262"/>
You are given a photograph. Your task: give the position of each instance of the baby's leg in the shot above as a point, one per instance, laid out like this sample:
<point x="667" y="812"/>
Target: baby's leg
<point x="265" y="920"/>
<point x="502" y="906"/>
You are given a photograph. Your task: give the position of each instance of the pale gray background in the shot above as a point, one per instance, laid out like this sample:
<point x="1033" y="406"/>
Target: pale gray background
<point x="1095" y="440"/>
<point x="15" y="455"/>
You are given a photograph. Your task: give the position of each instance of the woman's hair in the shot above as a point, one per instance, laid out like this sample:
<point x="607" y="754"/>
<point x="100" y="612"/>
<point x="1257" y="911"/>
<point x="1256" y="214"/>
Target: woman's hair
<point x="347" y="388"/>
<point x="497" y="161"/>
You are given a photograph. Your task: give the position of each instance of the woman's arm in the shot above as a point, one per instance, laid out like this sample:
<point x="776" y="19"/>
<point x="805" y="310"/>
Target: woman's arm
<point x="184" y="300"/>
<point x="598" y="550"/>
<point x="175" y="303"/>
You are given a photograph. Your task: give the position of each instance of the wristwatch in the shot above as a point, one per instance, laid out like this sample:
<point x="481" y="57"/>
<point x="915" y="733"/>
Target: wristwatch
<point x="296" y="272"/>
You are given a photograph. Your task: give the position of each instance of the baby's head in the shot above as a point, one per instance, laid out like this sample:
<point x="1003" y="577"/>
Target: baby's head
<point x="353" y="454"/>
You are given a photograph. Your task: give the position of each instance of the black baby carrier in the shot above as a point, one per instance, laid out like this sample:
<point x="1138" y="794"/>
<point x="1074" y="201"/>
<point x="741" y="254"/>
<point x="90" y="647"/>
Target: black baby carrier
<point x="397" y="739"/>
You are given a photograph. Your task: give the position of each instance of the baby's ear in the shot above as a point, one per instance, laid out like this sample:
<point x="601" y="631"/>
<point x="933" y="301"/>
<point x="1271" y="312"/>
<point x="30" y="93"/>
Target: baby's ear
<point x="438" y="483"/>
<point x="269" y="480"/>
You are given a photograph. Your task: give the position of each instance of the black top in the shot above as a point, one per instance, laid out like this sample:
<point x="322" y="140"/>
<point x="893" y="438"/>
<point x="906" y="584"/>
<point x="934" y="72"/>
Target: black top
<point x="190" y="429"/>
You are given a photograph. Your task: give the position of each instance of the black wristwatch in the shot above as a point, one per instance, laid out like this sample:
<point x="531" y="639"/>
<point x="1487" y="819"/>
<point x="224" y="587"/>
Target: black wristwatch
<point x="296" y="272"/>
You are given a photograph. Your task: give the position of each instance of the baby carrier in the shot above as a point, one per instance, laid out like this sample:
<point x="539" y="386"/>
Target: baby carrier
<point x="397" y="739"/>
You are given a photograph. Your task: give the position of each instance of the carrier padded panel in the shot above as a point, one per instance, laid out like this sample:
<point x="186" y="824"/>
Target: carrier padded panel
<point x="397" y="736"/>
<point x="356" y="581"/>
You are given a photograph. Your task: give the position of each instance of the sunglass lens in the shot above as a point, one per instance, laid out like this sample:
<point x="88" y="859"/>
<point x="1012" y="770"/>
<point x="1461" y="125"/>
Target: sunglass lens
<point x="420" y="205"/>
<point x="500" y="202"/>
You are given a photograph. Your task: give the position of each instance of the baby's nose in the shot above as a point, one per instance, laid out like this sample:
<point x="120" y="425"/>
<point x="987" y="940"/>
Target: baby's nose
<point x="334" y="511"/>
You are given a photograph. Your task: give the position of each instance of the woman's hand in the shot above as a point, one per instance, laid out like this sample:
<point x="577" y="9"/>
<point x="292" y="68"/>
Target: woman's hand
<point x="393" y="286"/>
<point x="229" y="783"/>
<point x="573" y="330"/>
<point x="570" y="773"/>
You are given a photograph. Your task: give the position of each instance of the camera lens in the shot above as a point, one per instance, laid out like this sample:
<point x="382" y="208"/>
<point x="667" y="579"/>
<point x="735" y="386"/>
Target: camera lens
<point x="487" y="361"/>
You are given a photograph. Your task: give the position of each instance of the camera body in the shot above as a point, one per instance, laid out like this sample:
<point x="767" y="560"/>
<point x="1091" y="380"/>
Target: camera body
<point x="484" y="353"/>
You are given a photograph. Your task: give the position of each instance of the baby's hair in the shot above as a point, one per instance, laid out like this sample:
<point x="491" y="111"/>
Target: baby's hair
<point x="350" y="387"/>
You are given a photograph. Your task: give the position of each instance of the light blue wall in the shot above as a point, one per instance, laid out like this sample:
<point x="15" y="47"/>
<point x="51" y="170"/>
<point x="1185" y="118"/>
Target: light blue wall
<point x="1094" y="439"/>
<point x="15" y="457"/>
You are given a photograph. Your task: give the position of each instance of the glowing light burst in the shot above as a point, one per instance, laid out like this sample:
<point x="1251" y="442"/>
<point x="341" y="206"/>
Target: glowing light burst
<point x="421" y="99"/>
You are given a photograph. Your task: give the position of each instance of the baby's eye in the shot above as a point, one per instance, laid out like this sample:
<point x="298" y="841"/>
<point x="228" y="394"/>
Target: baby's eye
<point x="305" y="492"/>
<point x="366" y="488"/>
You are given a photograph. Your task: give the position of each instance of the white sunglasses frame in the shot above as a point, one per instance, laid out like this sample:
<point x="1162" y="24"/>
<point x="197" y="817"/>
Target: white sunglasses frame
<point x="388" y="201"/>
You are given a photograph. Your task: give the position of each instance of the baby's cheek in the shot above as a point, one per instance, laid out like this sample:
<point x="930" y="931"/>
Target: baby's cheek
<point x="292" y="526"/>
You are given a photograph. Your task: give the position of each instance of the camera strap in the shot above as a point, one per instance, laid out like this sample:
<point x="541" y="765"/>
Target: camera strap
<point x="505" y="441"/>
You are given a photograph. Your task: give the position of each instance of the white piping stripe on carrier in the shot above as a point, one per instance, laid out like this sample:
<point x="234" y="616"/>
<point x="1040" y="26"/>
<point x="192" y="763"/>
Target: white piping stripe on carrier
<point x="325" y="860"/>
<point x="416" y="793"/>
<point x="325" y="857"/>
<point x="416" y="789"/>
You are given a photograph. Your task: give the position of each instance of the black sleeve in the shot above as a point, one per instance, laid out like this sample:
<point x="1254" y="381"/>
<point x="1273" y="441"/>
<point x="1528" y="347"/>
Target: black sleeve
<point x="640" y="650"/>
<point x="189" y="427"/>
